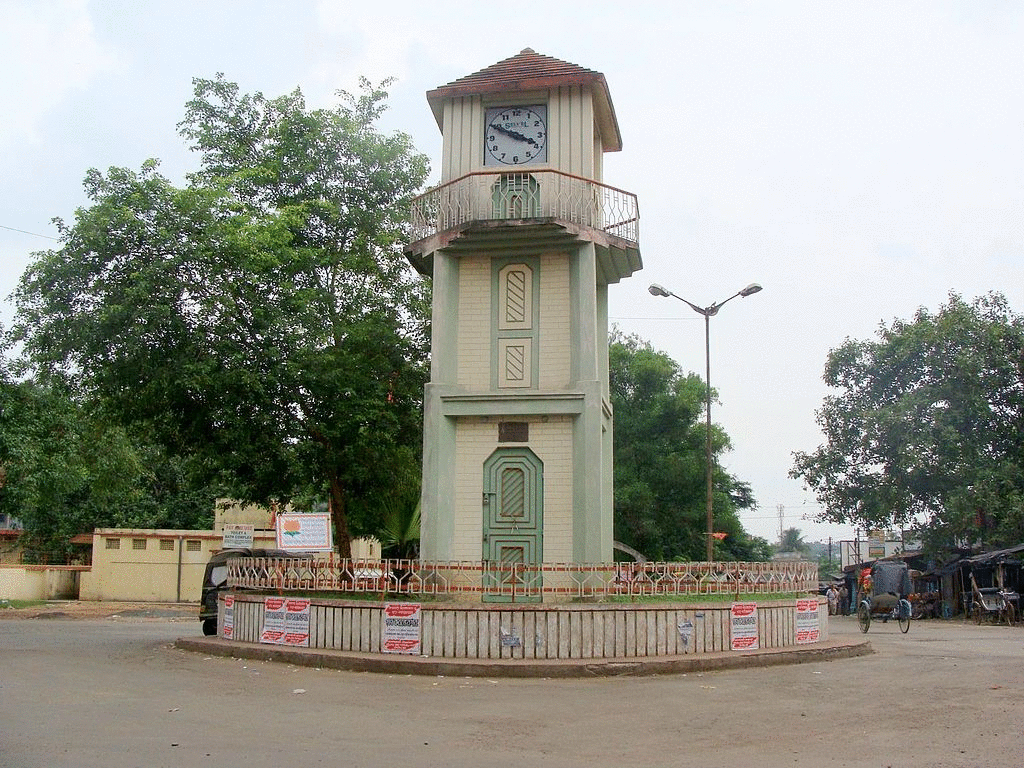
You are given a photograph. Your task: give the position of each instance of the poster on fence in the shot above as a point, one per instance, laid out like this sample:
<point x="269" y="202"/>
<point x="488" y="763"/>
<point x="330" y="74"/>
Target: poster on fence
<point x="744" y="626"/>
<point x="808" y="628"/>
<point x="227" y="629"/>
<point x="285" y="621"/>
<point x="296" y="622"/>
<point x="401" y="632"/>
<point x="273" y="620"/>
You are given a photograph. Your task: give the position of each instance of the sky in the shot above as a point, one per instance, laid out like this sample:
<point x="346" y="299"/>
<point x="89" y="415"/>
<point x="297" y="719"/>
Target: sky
<point x="859" y="160"/>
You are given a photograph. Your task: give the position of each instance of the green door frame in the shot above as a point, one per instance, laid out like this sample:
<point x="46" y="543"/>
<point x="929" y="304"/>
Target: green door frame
<point x="513" y="525"/>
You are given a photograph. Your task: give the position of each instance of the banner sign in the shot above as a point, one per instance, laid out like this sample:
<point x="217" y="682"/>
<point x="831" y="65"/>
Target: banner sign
<point x="401" y="632"/>
<point x="304" y="533"/>
<point x="744" y="626"/>
<point x="237" y="536"/>
<point x="808" y="626"/>
<point x="286" y="621"/>
<point x="876" y="544"/>
<point x="228" y="625"/>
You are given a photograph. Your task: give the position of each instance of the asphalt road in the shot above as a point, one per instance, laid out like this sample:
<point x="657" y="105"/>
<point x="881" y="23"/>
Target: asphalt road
<point x="113" y="692"/>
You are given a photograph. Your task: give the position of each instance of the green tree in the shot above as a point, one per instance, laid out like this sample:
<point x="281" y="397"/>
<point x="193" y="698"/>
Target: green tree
<point x="927" y="427"/>
<point x="792" y="541"/>
<point x="660" y="469"/>
<point x="65" y="471"/>
<point x="262" y="317"/>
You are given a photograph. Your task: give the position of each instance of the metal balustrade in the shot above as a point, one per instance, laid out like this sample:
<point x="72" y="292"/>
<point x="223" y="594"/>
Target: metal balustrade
<point x="516" y="581"/>
<point x="488" y="195"/>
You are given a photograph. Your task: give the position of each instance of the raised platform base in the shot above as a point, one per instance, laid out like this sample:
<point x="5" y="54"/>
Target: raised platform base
<point x="566" y="632"/>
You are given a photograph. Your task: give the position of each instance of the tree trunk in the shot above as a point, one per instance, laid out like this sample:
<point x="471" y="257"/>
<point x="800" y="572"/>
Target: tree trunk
<point x="342" y="538"/>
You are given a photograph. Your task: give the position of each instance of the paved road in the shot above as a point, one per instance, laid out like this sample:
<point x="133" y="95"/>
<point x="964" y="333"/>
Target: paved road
<point x="115" y="693"/>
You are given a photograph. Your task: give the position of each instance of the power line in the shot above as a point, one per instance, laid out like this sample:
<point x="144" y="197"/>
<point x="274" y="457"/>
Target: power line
<point x="26" y="232"/>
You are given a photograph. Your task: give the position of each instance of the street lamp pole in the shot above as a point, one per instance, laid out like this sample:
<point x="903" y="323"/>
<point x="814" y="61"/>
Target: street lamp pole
<point x="708" y="313"/>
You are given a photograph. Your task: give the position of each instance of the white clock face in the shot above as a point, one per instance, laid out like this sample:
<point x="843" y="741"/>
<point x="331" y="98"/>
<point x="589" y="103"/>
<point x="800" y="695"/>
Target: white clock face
<point x="516" y="135"/>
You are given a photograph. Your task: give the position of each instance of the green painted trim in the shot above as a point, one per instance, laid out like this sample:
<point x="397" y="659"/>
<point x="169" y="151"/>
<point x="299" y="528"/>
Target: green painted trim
<point x="444" y="320"/>
<point x="523" y="403"/>
<point x="532" y="536"/>
<point x="437" y="527"/>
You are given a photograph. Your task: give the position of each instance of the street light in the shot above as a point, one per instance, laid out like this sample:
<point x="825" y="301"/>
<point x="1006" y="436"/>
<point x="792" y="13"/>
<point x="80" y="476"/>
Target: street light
<point x="708" y="312"/>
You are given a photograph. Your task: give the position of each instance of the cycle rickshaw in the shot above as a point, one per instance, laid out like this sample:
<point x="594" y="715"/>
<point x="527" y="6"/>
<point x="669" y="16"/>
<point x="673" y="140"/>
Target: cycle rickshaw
<point x="886" y="596"/>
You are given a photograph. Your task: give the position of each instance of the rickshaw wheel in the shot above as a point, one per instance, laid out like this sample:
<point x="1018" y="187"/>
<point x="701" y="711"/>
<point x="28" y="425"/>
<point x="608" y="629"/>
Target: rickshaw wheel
<point x="1011" y="615"/>
<point x="904" y="616"/>
<point x="864" y="616"/>
<point x="977" y="614"/>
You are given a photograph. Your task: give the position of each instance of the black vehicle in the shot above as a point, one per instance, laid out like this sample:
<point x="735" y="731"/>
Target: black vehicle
<point x="215" y="581"/>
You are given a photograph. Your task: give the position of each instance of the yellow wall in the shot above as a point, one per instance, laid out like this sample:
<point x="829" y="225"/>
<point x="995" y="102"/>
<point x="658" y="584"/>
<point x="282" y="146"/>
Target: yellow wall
<point x="40" y="582"/>
<point x="163" y="566"/>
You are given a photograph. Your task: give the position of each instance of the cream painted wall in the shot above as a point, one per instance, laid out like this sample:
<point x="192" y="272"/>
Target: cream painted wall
<point x="40" y="582"/>
<point x="551" y="439"/>
<point x="474" y="334"/>
<point x="555" y="346"/>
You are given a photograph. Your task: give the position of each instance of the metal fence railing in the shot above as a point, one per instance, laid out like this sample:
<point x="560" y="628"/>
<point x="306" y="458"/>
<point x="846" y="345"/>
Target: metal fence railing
<point x="489" y="195"/>
<point x="514" y="581"/>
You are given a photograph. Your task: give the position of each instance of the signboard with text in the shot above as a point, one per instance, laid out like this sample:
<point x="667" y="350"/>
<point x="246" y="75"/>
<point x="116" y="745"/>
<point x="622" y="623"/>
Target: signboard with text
<point x="304" y="533"/>
<point x="401" y="631"/>
<point x="296" y="622"/>
<point x="237" y="536"/>
<point x="228" y="625"/>
<point x="286" y="621"/>
<point x="808" y="627"/>
<point x="744" y="626"/>
<point x="273" y="620"/>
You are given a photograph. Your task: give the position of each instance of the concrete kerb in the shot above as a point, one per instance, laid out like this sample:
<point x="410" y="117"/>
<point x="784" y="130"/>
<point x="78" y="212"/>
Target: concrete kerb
<point x="524" y="668"/>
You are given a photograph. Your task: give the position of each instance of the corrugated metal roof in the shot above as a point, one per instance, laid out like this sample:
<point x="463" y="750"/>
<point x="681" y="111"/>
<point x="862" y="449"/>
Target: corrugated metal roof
<point x="531" y="71"/>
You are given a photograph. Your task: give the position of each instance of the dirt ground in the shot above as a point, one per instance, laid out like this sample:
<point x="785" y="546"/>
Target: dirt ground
<point x="113" y="692"/>
<point x="91" y="609"/>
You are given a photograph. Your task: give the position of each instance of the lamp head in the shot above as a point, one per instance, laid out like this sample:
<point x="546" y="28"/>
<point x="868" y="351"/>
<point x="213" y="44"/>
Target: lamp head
<point x="750" y="290"/>
<point x="656" y="290"/>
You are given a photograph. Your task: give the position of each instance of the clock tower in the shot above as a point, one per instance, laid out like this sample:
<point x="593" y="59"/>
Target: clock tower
<point x="522" y="240"/>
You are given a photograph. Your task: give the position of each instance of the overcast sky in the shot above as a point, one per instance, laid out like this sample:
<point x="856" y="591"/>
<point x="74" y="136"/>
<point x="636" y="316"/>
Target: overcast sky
<point x="859" y="160"/>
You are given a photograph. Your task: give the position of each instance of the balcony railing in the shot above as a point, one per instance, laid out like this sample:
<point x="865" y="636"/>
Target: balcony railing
<point x="488" y="195"/>
<point x="514" y="581"/>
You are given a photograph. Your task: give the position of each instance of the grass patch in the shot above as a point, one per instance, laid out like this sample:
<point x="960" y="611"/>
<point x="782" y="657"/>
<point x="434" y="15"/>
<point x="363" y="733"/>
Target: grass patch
<point x="699" y="599"/>
<point x="4" y="603"/>
<point x="377" y="597"/>
<point x="367" y="597"/>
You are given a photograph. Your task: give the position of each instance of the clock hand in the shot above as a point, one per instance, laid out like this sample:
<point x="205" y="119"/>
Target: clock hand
<point x="514" y="134"/>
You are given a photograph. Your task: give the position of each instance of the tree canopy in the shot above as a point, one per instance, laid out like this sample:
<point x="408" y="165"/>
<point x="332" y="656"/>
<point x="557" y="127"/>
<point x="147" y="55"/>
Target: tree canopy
<point x="927" y="427"/>
<point x="65" y="470"/>
<point x="792" y="541"/>
<point x="260" y="318"/>
<point x="660" y="461"/>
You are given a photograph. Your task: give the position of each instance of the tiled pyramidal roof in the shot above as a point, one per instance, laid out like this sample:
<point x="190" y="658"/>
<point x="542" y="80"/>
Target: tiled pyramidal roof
<point x="531" y="71"/>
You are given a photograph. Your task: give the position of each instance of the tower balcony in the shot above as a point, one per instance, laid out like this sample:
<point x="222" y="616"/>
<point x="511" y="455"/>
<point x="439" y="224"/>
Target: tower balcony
<point x="517" y="211"/>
